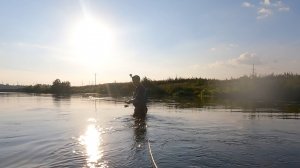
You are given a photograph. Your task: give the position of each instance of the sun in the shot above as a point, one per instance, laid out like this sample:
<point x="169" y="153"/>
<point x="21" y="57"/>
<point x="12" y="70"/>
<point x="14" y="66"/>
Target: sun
<point x="92" y="42"/>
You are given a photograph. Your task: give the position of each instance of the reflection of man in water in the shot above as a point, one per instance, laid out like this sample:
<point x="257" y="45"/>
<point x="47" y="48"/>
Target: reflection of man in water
<point x="140" y="129"/>
<point x="139" y="143"/>
<point x="139" y="98"/>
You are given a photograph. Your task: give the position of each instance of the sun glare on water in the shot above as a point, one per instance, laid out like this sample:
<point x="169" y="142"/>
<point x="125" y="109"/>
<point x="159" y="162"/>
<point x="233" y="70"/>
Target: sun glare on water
<point x="92" y="141"/>
<point x="92" y="42"/>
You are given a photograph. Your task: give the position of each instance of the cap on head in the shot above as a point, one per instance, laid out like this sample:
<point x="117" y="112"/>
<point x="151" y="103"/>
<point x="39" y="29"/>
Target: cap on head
<point x="135" y="77"/>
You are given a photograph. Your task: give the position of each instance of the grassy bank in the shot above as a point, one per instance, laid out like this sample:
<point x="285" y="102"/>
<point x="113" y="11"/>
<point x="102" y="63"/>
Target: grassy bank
<point x="280" y="87"/>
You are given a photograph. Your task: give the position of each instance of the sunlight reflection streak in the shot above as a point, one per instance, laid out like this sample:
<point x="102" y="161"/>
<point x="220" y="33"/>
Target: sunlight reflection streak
<point x="92" y="140"/>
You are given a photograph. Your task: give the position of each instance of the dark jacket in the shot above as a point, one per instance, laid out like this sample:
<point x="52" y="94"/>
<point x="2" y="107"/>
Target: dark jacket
<point x="139" y="97"/>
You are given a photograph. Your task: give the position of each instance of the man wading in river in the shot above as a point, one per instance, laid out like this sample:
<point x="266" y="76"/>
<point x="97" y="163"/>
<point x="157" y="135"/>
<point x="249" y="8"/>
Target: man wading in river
<point x="139" y="98"/>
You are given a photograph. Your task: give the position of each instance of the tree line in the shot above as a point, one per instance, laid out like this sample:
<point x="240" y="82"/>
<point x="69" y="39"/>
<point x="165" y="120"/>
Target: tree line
<point x="57" y="87"/>
<point x="280" y="87"/>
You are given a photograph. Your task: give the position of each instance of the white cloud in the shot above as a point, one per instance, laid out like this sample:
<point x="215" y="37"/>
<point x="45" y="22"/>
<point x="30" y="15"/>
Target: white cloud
<point x="234" y="67"/>
<point x="263" y="13"/>
<point x="267" y="2"/>
<point x="247" y="5"/>
<point x="232" y="45"/>
<point x="217" y="64"/>
<point x="269" y="58"/>
<point x="284" y="9"/>
<point x="224" y="47"/>
<point x="280" y="6"/>
<point x="267" y="8"/>
<point x="245" y="58"/>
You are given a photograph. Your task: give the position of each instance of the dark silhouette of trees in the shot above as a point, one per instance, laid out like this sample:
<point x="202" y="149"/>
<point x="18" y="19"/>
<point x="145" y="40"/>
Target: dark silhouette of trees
<point x="270" y="87"/>
<point x="38" y="88"/>
<point x="59" y="87"/>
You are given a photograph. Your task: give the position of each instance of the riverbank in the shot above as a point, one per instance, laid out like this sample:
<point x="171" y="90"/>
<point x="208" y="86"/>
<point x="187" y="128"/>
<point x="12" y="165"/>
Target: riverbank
<point x="271" y="87"/>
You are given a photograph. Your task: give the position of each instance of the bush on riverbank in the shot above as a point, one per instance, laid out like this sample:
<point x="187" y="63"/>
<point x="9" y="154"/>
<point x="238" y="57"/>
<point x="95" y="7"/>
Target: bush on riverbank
<point x="57" y="87"/>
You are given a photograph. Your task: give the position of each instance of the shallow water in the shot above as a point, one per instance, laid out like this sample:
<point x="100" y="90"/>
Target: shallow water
<point x="46" y="131"/>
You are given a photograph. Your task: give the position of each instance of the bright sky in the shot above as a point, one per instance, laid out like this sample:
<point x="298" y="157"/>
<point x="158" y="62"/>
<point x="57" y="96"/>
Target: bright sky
<point x="72" y="40"/>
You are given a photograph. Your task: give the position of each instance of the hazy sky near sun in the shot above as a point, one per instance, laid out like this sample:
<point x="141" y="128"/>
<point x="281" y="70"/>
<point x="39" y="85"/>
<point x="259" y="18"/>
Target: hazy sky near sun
<point x="71" y="40"/>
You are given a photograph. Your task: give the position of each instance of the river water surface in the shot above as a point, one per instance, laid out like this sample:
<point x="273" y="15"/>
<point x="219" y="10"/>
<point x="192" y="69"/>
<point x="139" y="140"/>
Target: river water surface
<point x="47" y="131"/>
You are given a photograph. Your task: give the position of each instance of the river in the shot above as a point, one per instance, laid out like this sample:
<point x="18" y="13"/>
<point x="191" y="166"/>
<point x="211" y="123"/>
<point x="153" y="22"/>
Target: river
<point x="76" y="131"/>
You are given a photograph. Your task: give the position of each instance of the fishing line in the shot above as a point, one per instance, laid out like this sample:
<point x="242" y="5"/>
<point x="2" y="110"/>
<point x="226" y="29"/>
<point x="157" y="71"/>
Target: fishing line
<point x="151" y="156"/>
<point x="149" y="146"/>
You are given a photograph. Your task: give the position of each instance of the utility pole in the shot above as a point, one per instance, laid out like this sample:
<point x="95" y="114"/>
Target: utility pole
<point x="95" y="81"/>
<point x="253" y="73"/>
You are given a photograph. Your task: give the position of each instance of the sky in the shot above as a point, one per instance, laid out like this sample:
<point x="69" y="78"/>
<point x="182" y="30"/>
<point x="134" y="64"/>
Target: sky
<point x="73" y="40"/>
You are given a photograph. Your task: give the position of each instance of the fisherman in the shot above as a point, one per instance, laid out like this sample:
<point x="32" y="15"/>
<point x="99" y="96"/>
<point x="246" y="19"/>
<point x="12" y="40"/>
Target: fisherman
<point x="139" y="99"/>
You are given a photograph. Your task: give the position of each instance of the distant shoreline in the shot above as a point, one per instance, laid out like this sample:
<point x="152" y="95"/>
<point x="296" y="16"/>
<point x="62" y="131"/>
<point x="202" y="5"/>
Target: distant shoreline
<point x="271" y="87"/>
